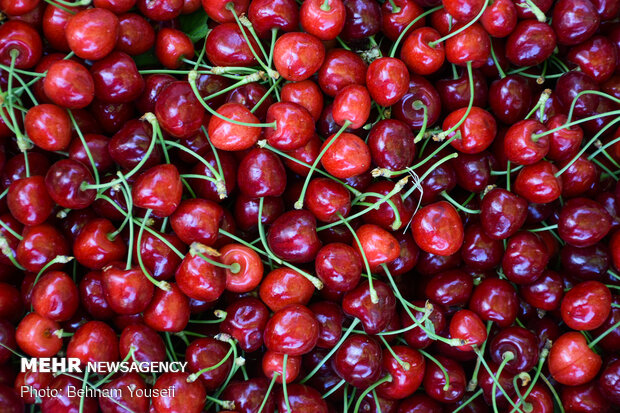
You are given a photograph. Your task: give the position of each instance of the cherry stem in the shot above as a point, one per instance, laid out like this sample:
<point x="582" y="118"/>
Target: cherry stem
<point x="473" y="382"/>
<point x="585" y="147"/>
<point x="468" y="401"/>
<point x="554" y="392"/>
<point x="603" y="150"/>
<point x="194" y="376"/>
<point x="547" y="228"/>
<point x="397" y="188"/>
<point x="374" y="298"/>
<point x="129" y="202"/>
<point x="274" y="35"/>
<point x="191" y="77"/>
<point x="506" y="358"/>
<point x="200" y="249"/>
<point x="300" y="201"/>
<point x="9" y="229"/>
<point x="284" y="391"/>
<point x="494" y="378"/>
<point x="160" y="284"/>
<point x="271" y="383"/>
<point x="542" y="101"/>
<point x="334" y="389"/>
<point x="588" y="92"/>
<point x="418" y="104"/>
<point x="359" y="201"/>
<point x="387" y="378"/>
<point x="91" y="159"/>
<point x="459" y="206"/>
<point x="266" y="95"/>
<point x="406" y="366"/>
<point x="531" y="6"/>
<point x="129" y="356"/>
<point x="459" y="30"/>
<point x="22" y="142"/>
<point x="410" y="25"/>
<point x="8" y="252"/>
<point x="263" y="144"/>
<point x="603" y="335"/>
<point x="446" y="376"/>
<point x="346" y="334"/>
<point x="395" y="8"/>
<point x="429" y="171"/>
<point x="318" y="284"/>
<point x="501" y="72"/>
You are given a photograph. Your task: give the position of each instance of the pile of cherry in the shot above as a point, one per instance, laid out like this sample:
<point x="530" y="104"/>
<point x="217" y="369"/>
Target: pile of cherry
<point x="329" y="205"/>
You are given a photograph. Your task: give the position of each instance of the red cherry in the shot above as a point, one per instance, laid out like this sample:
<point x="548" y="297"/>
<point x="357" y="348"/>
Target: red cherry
<point x="135" y="34"/>
<point x="22" y="41"/>
<point x="500" y="18"/>
<point x="183" y="396"/>
<point x="117" y="79"/>
<point x="387" y="80"/>
<point x="160" y="10"/>
<point x="127" y="291"/>
<point x="496" y="300"/>
<point x="55" y="296"/>
<point x="571" y="362"/>
<point x="323" y="19"/>
<point x="437" y="228"/>
<point x="583" y="222"/>
<point x="538" y="183"/>
<point x="293" y="237"/>
<point x="94" y="341"/>
<point x="282" y="287"/>
<point x="172" y="46"/>
<point x="294" y="126"/>
<point x="250" y="272"/>
<point x="467" y="326"/>
<point x="267" y="15"/>
<point x="69" y="84"/>
<point x="358" y="360"/>
<point x="92" y="33"/>
<point x="218" y="10"/>
<point x="36" y="336"/>
<point x="297" y="56"/>
<point x="521" y="146"/>
<point x="374" y="313"/>
<point x="377" y="245"/>
<point x="230" y="136"/>
<point x="159" y="189"/>
<point x="49" y="127"/>
<point x="404" y="381"/>
<point x="347" y="156"/>
<point x="226" y="46"/>
<point x="206" y="352"/>
<point x="471" y="45"/>
<point x="341" y="68"/>
<point x="476" y="132"/>
<point x="273" y="367"/>
<point x="419" y="56"/>
<point x="178" y="110"/>
<point x="148" y="346"/>
<point x="93" y="247"/>
<point x="168" y="311"/>
<point x="29" y="201"/>
<point x="292" y="330"/>
<point x="398" y="15"/>
<point x="586" y="305"/>
<point x="41" y="244"/>
<point x="434" y="380"/>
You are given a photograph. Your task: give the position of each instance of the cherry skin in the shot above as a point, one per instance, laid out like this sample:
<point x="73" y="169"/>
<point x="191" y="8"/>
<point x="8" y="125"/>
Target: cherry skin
<point x="519" y="143"/>
<point x="396" y="19"/>
<point x="537" y="183"/>
<point x="438" y="229"/>
<point x="452" y="288"/>
<point x="249" y="395"/>
<point x="326" y="199"/>
<point x="92" y="33"/>
<point x="226" y="46"/>
<point x="467" y="326"/>
<point x="330" y="318"/>
<point x="55" y="296"/>
<point x="41" y="244"/>
<point x="377" y="245"/>
<point x="197" y="220"/>
<point x="387" y="80"/>
<point x="94" y="341"/>
<point x="404" y="381"/>
<point x="531" y="43"/>
<point x="250" y="272"/>
<point x="391" y="144"/>
<point x="218" y="10"/>
<point x="297" y="56"/>
<point x="22" y="39"/>
<point x="585" y="397"/>
<point x="525" y="258"/>
<point x="500" y="18"/>
<point x="28" y="200"/>
<point x="229" y="136"/>
<point x="207" y="352"/>
<point x="363" y="19"/>
<point x="261" y="174"/>
<point x="168" y="311"/>
<point x="37" y="336"/>
<point x="293" y="237"/>
<point x="455" y="92"/>
<point x="476" y="132"/>
<point x="608" y="382"/>
<point x="273" y="367"/>
<point x="69" y="84"/>
<point x="586" y="306"/>
<point x="94" y="249"/>
<point x="199" y="279"/>
<point x="374" y="316"/>
<point x="434" y="380"/>
<point x="339" y="266"/>
<point x="49" y="127"/>
<point x="346" y="157"/>
<point x="267" y="15"/>
<point x="521" y="342"/>
<point x="172" y="46"/>
<point x="282" y="287"/>
<point x="295" y="126"/>
<point x="571" y="362"/>
<point x="178" y="110"/>
<point x="341" y="68"/>
<point x="496" y="300"/>
<point x="292" y="330"/>
<point x="595" y="57"/>
<point x="583" y="222"/>
<point x="574" y="21"/>
<point x="189" y="396"/>
<point x="323" y="21"/>
<point x="245" y="322"/>
<point x="479" y="250"/>
<point x="305" y="93"/>
<point x="117" y="79"/>
<point x="127" y="291"/>
<point x="159" y="188"/>
<point x="358" y="360"/>
<point x="135" y="34"/>
<point x="545" y="293"/>
<point x="148" y="346"/>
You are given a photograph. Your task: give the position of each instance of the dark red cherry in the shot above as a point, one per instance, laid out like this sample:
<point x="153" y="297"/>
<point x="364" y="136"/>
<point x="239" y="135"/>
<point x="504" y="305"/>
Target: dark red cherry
<point x="249" y="395"/>
<point x="363" y="19"/>
<point x="41" y="244"/>
<point x="341" y="68"/>
<point x="293" y="237"/>
<point x="94" y="341"/>
<point x="480" y="251"/>
<point x="261" y="174"/>
<point x="455" y="93"/>
<point x="160" y="10"/>
<point x="178" y="110"/>
<point x="391" y="144"/>
<point x="546" y="292"/>
<point x="64" y="397"/>
<point x="148" y="346"/>
<point x="293" y="330"/>
<point x="93" y="297"/>
<point x="510" y="98"/>
<point x="438" y="229"/>
<point x="158" y="188"/>
<point x="406" y="110"/>
<point x="267" y="15"/>
<point x="571" y="84"/>
<point x="435" y="381"/>
<point x="28" y="200"/>
<point x="207" y="352"/>
<point x="135" y="34"/>
<point x="55" y="296"/>
<point x="168" y="310"/>
<point x="500" y="18"/>
<point x="583" y="222"/>
<point x="189" y="396"/>
<point x="525" y="258"/>
<point x="245" y="321"/>
<point x="339" y="266"/>
<point x="359" y="303"/>
<point x="451" y="288"/>
<point x="358" y="360"/>
<point x="496" y="300"/>
<point x="521" y="342"/>
<point x="117" y="79"/>
<point x="563" y="143"/>
<point x="69" y="84"/>
<point x="574" y="21"/>
<point x="531" y="43"/>
<point x="21" y="40"/>
<point x="586" y="305"/>
<point x="596" y="57"/>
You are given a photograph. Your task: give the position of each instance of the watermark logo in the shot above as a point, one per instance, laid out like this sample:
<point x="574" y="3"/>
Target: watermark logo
<point x="74" y="365"/>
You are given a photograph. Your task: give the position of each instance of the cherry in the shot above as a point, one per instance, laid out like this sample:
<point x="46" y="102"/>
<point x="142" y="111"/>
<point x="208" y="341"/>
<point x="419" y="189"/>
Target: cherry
<point x="28" y="200"/>
<point x="530" y="44"/>
<point x="377" y="245"/>
<point x="38" y="336"/>
<point x="473" y="172"/>
<point x="147" y="345"/>
<point x="525" y="258"/>
<point x="545" y="293"/>
<point x="391" y="145"/>
<point x="419" y="403"/>
<point x="122" y="397"/>
<point x="117" y="79"/>
<point x="293" y="237"/>
<point x="135" y="34"/>
<point x="327" y="199"/>
<point x="92" y="296"/>
<point x="510" y="99"/>
<point x="496" y="300"/>
<point x="470" y="45"/>
<point x="583" y="222"/>
<point x="339" y="266"/>
<point x="358" y="360"/>
<point x="220" y="10"/>
<point x="537" y="183"/>
<point x="96" y="245"/>
<point x="261" y="174"/>
<point x="412" y="113"/>
<point x="266" y="15"/>
<point x="323" y="19"/>
<point x="34" y="382"/>
<point x="292" y="330"/>
<point x="297" y="56"/>
<point x="207" y="352"/>
<point x="249" y="395"/>
<point x="467" y="326"/>
<point x="563" y="143"/>
<point x="397" y="15"/>
<point x="172" y="46"/>
<point x="159" y="188"/>
<point x="499" y="18"/>
<point x="578" y="177"/>
<point x="127" y="291"/>
<point x="438" y="229"/>
<point x="522" y="343"/>
<point x="55" y="296"/>
<point x="341" y="68"/>
<point x="476" y="132"/>
<point x="183" y="395"/>
<point x="569" y="85"/>
<point x="178" y="110"/>
<point x="301" y="398"/>
<point x="94" y="341"/>
<point x="586" y="306"/>
<point x="64" y="397"/>
<point x="330" y="318"/>
<point x="21" y="43"/>
<point x="387" y="80"/>
<point x="574" y="21"/>
<point x="455" y="92"/>
<point x="305" y="93"/>
<point x="295" y="126"/>
<point x="40" y="245"/>
<point x="435" y="382"/>
<point x="274" y="364"/>
<point x="226" y="46"/>
<point x="17" y="8"/>
<point x="245" y="321"/>
<point x="346" y="156"/>
<point x="115" y="6"/>
<point x="168" y="310"/>
<point x="363" y="19"/>
<point x="282" y="287"/>
<point x="230" y="136"/>
<point x="375" y="313"/>
<point x="54" y="24"/>
<point x="92" y="33"/>
<point x="491" y="390"/>
<point x="608" y="382"/>
<point x="571" y="362"/>
<point x="69" y="84"/>
<point x="451" y="288"/>
<point x="585" y="397"/>
<point x="49" y="127"/>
